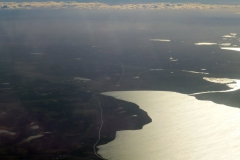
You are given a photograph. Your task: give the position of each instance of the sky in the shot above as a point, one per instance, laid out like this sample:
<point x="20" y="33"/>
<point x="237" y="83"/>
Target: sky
<point x="132" y="1"/>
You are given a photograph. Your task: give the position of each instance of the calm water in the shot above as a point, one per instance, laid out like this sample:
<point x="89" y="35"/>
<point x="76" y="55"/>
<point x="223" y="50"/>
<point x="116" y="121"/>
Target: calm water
<point x="182" y="128"/>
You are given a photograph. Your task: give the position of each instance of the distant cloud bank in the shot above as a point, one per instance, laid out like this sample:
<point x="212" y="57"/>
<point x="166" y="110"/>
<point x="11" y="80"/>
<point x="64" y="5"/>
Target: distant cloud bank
<point x="95" y="5"/>
<point x="160" y="40"/>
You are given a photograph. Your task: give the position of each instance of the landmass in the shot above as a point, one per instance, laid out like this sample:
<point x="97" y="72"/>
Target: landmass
<point x="46" y="90"/>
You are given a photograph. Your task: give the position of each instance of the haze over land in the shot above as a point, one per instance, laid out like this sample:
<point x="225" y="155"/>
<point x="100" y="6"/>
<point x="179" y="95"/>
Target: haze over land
<point x="57" y="57"/>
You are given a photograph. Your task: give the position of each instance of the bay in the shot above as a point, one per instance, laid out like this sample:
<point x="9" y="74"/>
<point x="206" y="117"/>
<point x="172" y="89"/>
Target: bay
<point x="182" y="128"/>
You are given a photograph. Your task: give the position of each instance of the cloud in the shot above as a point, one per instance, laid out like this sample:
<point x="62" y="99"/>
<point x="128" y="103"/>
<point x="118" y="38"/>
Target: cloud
<point x="224" y="44"/>
<point x="195" y="72"/>
<point x="231" y="48"/>
<point x="160" y="40"/>
<point x="50" y="5"/>
<point x="228" y="36"/>
<point x="96" y="5"/>
<point x="205" y="44"/>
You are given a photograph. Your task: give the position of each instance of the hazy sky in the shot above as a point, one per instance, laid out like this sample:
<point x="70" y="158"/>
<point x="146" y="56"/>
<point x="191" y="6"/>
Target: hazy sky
<point x="130" y="1"/>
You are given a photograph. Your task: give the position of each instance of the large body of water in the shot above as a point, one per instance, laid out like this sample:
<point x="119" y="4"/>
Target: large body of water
<point x="182" y="128"/>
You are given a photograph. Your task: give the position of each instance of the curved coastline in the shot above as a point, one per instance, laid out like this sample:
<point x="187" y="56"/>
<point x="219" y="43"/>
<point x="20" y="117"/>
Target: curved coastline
<point x="182" y="128"/>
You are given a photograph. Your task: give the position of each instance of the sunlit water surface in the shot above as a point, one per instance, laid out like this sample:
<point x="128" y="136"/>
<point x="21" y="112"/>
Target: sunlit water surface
<point x="182" y="128"/>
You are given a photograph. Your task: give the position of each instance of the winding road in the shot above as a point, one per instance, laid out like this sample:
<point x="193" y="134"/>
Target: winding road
<point x="101" y="115"/>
